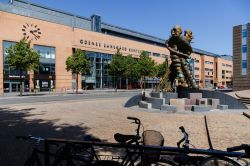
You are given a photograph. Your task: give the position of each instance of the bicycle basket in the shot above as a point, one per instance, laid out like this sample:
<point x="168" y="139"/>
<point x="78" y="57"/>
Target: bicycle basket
<point x="152" y="137"/>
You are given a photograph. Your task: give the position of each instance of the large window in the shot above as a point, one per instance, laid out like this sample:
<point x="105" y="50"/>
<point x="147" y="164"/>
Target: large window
<point x="98" y="77"/>
<point x="12" y="76"/>
<point x="223" y="74"/>
<point x="47" y="59"/>
<point x="45" y="76"/>
<point x="45" y="51"/>
<point x="244" y="50"/>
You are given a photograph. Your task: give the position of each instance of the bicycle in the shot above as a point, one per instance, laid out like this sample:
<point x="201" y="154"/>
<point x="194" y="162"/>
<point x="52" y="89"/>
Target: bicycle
<point x="68" y="155"/>
<point x="138" y="156"/>
<point x="33" y="159"/>
<point x="213" y="157"/>
<point x="238" y="161"/>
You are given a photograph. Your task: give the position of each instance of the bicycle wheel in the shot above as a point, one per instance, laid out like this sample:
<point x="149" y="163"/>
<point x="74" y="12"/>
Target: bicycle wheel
<point x="63" y="162"/>
<point x="33" y="161"/>
<point x="106" y="163"/>
<point x="73" y="156"/>
<point x="30" y="162"/>
<point x="219" y="161"/>
<point x="163" y="162"/>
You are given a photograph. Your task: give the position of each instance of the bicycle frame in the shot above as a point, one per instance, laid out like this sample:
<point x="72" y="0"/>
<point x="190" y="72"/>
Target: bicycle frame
<point x="164" y="150"/>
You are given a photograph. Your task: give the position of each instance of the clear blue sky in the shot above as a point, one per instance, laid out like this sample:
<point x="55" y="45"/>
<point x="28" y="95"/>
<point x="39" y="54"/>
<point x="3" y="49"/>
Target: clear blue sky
<point x="210" y="20"/>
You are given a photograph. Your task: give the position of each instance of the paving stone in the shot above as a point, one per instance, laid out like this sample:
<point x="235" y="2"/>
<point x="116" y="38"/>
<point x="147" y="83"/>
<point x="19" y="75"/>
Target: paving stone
<point x="222" y="107"/>
<point x="144" y="104"/>
<point x="179" y="103"/>
<point x="194" y="97"/>
<point x="200" y="108"/>
<point x="168" y="108"/>
<point x="213" y="102"/>
<point x="202" y="101"/>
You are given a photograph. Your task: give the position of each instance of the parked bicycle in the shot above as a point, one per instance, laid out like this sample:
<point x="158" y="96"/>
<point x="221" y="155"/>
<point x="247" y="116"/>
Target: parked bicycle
<point x="33" y="159"/>
<point x="137" y="155"/>
<point x="67" y="155"/>
<point x="236" y="161"/>
<point x="144" y="149"/>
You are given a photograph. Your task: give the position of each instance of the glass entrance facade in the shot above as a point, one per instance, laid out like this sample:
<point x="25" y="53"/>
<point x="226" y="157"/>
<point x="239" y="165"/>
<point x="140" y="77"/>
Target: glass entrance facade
<point x="12" y="77"/>
<point x="98" y="77"/>
<point x="45" y="76"/>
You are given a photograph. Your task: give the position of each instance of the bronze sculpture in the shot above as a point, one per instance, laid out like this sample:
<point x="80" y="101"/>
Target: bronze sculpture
<point x="179" y="70"/>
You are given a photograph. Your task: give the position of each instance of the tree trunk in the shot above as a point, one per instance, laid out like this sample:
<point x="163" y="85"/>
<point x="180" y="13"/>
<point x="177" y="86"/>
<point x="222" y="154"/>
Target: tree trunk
<point x="21" y="82"/>
<point x="115" y="84"/>
<point x="141" y="83"/>
<point x="120" y="83"/>
<point x="127" y="82"/>
<point x="144" y="83"/>
<point x="76" y="83"/>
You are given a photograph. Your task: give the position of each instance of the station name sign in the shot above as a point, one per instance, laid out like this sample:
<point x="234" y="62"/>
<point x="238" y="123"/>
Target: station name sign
<point x="109" y="46"/>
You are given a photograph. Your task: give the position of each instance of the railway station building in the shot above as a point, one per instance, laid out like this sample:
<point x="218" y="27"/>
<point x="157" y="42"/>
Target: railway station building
<point x="241" y="57"/>
<point x="55" y="35"/>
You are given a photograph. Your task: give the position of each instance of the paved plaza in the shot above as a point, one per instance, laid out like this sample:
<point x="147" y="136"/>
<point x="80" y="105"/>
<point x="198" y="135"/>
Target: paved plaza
<point x="101" y="118"/>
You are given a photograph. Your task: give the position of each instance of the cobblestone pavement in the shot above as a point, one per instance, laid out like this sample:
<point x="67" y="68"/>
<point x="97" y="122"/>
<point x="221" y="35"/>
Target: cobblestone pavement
<point x="101" y="118"/>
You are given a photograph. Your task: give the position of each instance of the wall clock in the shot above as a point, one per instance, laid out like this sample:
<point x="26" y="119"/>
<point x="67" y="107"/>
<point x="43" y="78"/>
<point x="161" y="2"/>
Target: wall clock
<point x="31" y="31"/>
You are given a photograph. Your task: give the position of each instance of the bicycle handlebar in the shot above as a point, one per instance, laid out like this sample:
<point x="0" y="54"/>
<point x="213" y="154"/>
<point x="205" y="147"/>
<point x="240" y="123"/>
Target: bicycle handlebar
<point x="182" y="129"/>
<point x="22" y="137"/>
<point x="184" y="139"/>
<point x="136" y="121"/>
<point x="29" y="137"/>
<point x="235" y="148"/>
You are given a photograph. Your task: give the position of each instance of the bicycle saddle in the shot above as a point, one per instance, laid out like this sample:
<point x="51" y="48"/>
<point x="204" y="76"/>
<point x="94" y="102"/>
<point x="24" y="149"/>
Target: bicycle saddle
<point x="124" y="139"/>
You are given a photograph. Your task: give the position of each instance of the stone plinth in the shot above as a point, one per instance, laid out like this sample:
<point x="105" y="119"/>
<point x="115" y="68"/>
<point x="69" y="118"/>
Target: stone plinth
<point x="144" y="104"/>
<point x="179" y="103"/>
<point x="169" y="95"/>
<point x="156" y="102"/>
<point x="202" y="101"/>
<point x="156" y="94"/>
<point x="213" y="102"/>
<point x="188" y="107"/>
<point x="194" y="97"/>
<point x="200" y="108"/>
<point x="188" y="101"/>
<point x="222" y="107"/>
<point x="168" y="108"/>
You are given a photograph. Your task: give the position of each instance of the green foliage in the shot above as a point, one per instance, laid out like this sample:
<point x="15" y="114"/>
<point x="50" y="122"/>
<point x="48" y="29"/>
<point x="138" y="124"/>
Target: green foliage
<point x="130" y="67"/>
<point x="146" y="65"/>
<point x="22" y="57"/>
<point x="78" y="63"/>
<point x="127" y="66"/>
<point x="161" y="69"/>
<point x="117" y="65"/>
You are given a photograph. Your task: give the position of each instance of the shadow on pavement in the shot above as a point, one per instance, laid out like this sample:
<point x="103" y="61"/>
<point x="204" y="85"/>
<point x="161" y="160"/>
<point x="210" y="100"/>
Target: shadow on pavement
<point x="14" y="152"/>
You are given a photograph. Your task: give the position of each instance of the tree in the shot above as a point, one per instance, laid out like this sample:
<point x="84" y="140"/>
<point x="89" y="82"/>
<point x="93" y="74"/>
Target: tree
<point x="22" y="57"/>
<point x="161" y="69"/>
<point x="130" y="69"/>
<point x="145" y="66"/>
<point x="116" y="67"/>
<point x="78" y="64"/>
